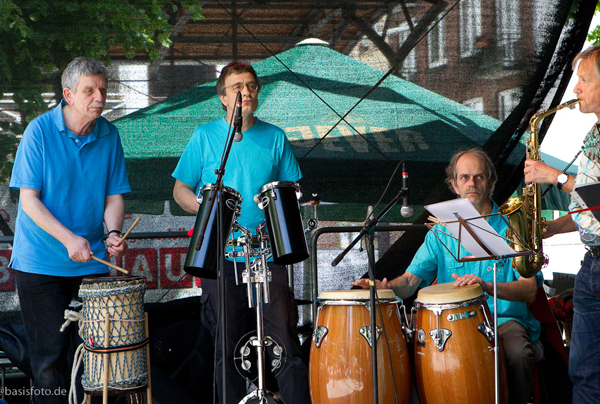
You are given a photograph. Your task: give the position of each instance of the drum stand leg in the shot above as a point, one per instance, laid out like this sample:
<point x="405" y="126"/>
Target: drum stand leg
<point x="496" y="347"/>
<point x="106" y="361"/>
<point x="258" y="297"/>
<point x="149" y="386"/>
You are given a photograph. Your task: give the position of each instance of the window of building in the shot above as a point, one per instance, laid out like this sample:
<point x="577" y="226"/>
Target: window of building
<point x="409" y="66"/>
<point x="437" y="44"/>
<point x="475" y="104"/>
<point x="507" y="101"/>
<point x="509" y="29"/>
<point x="470" y="26"/>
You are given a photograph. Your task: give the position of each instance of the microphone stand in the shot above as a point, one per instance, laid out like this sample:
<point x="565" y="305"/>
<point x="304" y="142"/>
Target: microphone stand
<point x="216" y="195"/>
<point x="368" y="229"/>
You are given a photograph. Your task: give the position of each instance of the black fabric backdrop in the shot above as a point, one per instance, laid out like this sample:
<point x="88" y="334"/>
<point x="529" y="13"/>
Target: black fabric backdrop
<point x="545" y="88"/>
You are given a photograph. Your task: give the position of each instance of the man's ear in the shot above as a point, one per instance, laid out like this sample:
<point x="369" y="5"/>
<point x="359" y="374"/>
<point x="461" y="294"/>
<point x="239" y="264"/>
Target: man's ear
<point x="222" y="98"/>
<point x="453" y="183"/>
<point x="68" y="95"/>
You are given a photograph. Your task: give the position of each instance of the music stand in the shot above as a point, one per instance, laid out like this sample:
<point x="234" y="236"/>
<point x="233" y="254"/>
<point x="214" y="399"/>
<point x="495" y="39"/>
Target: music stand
<point x="481" y="240"/>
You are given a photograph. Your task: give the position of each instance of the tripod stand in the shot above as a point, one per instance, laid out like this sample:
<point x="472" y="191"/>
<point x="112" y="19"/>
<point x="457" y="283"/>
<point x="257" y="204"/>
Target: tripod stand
<point x="257" y="277"/>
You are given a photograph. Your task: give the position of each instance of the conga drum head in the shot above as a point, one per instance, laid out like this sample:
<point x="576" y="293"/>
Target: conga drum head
<point x="112" y="281"/>
<point x="448" y="293"/>
<point x="355" y="294"/>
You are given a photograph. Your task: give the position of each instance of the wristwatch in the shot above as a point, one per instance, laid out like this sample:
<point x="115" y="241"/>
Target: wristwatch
<point x="561" y="180"/>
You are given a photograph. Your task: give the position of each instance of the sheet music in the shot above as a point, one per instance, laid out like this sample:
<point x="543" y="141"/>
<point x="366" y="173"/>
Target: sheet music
<point x="588" y="196"/>
<point x="445" y="211"/>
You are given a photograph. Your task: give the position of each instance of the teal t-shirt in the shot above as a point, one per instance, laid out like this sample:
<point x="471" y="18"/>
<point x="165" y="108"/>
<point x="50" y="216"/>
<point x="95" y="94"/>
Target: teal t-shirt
<point x="264" y="155"/>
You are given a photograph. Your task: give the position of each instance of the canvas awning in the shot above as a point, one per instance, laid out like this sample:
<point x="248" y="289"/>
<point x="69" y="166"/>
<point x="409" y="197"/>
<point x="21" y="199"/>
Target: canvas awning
<point x="306" y="91"/>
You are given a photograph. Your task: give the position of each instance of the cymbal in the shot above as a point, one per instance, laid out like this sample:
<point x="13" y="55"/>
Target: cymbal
<point x="318" y="203"/>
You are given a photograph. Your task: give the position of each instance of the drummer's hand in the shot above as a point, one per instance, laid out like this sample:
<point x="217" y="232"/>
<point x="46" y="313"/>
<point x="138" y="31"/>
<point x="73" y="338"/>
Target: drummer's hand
<point x="79" y="249"/>
<point x="111" y="245"/>
<point x="364" y="283"/>
<point x="469" y="280"/>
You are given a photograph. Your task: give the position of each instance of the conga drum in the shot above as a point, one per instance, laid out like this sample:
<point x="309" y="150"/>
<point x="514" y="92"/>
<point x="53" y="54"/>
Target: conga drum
<point x="454" y="340"/>
<point x="114" y="335"/>
<point x="340" y="365"/>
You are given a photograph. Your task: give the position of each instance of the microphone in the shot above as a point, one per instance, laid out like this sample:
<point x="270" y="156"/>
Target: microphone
<point x="237" y="123"/>
<point x="407" y="210"/>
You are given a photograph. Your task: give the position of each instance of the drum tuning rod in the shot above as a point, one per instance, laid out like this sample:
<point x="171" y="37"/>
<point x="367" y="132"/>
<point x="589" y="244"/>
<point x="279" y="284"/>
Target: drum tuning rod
<point x="110" y="265"/>
<point x="135" y="222"/>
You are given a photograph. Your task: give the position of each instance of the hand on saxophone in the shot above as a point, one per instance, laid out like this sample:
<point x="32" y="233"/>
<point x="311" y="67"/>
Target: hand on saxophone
<point x="539" y="173"/>
<point x="563" y="224"/>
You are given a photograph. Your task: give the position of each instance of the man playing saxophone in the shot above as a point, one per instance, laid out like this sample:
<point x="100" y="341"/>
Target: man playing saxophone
<point x="471" y="175"/>
<point x="584" y="355"/>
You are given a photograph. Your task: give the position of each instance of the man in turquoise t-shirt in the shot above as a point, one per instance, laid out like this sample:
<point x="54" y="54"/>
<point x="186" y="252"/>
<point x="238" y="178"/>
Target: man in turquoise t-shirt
<point x="264" y="155"/>
<point x="471" y="175"/>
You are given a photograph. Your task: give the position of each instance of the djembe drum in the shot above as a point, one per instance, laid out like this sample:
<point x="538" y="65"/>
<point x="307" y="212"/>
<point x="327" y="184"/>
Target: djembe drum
<point x="114" y="335"/>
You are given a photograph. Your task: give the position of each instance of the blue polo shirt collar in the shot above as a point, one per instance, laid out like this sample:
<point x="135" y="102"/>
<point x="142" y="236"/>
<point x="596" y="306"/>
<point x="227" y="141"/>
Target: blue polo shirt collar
<point x="100" y="127"/>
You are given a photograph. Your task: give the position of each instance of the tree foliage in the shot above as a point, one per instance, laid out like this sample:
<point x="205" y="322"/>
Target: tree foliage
<point x="594" y="36"/>
<point x="38" y="38"/>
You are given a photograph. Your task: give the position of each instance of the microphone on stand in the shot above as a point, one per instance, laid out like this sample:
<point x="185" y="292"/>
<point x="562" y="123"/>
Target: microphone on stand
<point x="406" y="210"/>
<point x="237" y="123"/>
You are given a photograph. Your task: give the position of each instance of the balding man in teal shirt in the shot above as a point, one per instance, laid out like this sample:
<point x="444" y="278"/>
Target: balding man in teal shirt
<point x="471" y="175"/>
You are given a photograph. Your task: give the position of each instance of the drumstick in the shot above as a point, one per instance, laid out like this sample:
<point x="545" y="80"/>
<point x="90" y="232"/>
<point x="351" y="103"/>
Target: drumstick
<point x="110" y="265"/>
<point x="135" y="222"/>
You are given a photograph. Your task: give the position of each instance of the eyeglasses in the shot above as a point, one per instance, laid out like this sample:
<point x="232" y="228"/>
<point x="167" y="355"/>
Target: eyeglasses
<point x="237" y="87"/>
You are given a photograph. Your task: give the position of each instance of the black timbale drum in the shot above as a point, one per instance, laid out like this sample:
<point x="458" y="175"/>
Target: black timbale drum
<point x="280" y="205"/>
<point x="202" y="254"/>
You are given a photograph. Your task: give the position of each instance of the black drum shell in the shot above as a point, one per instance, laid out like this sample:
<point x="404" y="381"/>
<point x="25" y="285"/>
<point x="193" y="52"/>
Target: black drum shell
<point x="202" y="262"/>
<point x="284" y="222"/>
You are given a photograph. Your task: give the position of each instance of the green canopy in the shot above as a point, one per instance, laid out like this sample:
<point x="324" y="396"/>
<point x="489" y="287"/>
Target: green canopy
<point x="305" y="91"/>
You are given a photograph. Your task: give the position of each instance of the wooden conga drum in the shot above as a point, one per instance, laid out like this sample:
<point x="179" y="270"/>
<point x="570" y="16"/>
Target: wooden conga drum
<point x="454" y="340"/>
<point x="340" y="365"/>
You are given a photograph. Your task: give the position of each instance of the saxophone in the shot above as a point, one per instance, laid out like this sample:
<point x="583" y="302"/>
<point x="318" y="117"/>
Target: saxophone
<point x="524" y="213"/>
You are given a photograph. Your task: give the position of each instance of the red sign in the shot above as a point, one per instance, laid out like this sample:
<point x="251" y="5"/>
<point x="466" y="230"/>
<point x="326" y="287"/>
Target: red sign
<point x="7" y="277"/>
<point x="171" y="264"/>
<point x="142" y="262"/>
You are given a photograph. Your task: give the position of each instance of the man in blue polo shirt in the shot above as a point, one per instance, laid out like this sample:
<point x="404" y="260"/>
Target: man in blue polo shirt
<point x="70" y="172"/>
<point x="471" y="175"/>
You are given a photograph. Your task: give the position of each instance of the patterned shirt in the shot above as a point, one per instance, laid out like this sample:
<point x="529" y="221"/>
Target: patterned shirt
<point x="589" y="171"/>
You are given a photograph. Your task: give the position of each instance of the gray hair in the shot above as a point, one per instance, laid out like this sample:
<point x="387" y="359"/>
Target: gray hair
<point x="81" y="66"/>
<point x="490" y="170"/>
<point x="593" y="55"/>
